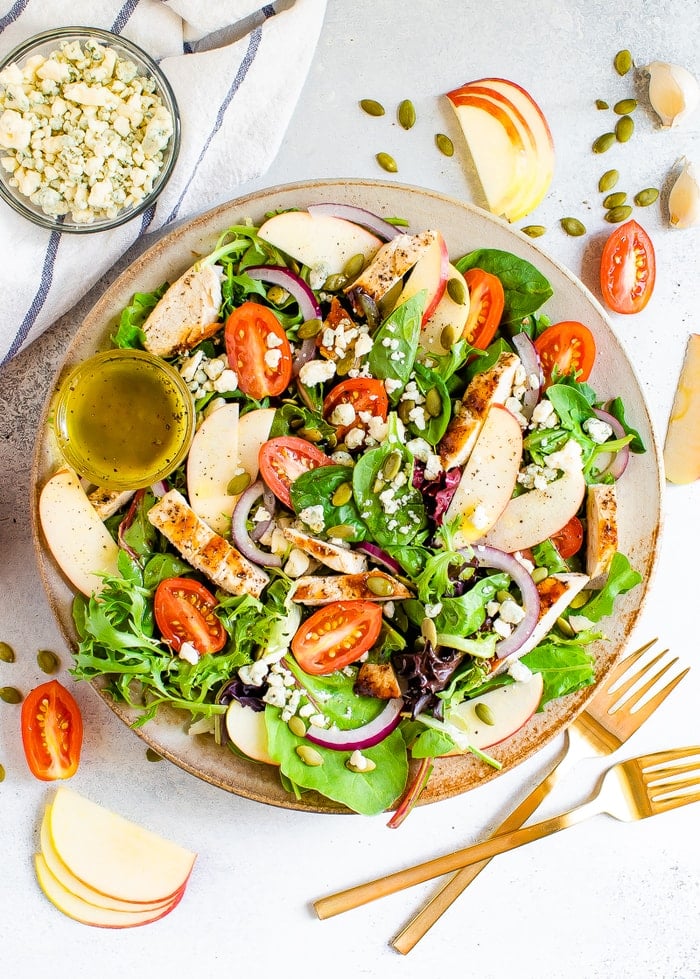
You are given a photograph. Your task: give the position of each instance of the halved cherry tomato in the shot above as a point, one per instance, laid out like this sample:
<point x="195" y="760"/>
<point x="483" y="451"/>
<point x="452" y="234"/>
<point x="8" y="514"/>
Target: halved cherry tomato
<point x="184" y="612"/>
<point x="284" y="458"/>
<point x="258" y="351"/>
<point x="52" y="732"/>
<point x="336" y="635"/>
<point x="627" y="269"/>
<point x="569" y="539"/>
<point x="364" y="394"/>
<point x="486" y="301"/>
<point x="569" y="346"/>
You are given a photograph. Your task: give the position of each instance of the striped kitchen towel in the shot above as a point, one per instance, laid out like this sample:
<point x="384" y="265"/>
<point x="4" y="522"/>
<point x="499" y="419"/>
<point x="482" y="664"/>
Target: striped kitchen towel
<point x="237" y="69"/>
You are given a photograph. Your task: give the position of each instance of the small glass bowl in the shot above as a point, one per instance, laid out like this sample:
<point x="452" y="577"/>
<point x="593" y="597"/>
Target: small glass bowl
<point x="44" y="44"/>
<point x="124" y="419"/>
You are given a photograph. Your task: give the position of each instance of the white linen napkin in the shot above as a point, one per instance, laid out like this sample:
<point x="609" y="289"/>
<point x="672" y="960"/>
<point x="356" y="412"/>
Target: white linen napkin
<point x="236" y="68"/>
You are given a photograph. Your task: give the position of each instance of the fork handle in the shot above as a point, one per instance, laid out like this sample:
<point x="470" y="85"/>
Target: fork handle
<point x="354" y="897"/>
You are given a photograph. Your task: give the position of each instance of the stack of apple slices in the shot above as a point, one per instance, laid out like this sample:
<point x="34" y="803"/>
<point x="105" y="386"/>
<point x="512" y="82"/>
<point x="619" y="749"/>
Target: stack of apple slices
<point x="509" y="141"/>
<point x="105" y="871"/>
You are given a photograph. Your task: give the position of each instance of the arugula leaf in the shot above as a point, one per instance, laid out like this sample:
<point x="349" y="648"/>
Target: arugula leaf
<point x="525" y="288"/>
<point x="621" y="579"/>
<point x="393" y="353"/>
<point x="545" y="555"/>
<point x="317" y="487"/>
<point x="565" y="665"/>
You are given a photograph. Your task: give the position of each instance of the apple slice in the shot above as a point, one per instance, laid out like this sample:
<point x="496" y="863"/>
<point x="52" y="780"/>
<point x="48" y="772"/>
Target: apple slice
<point x="91" y="914"/>
<point x="211" y="464"/>
<point x="114" y="856"/>
<point x="511" y="707"/>
<point x="246" y="729"/>
<point x="488" y="478"/>
<point x="253" y="431"/>
<point x="429" y="274"/>
<point x="539" y="513"/>
<point x="318" y="240"/>
<point x="77" y="538"/>
<point x="682" y="444"/>
<point x="446" y="313"/>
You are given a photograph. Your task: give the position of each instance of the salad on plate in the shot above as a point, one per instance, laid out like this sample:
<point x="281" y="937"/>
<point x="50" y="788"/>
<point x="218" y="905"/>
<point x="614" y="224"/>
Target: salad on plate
<point x="394" y="537"/>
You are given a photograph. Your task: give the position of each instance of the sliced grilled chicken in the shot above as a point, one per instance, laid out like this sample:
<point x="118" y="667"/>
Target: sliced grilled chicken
<point x="187" y="314"/>
<point x="322" y="590"/>
<point x="391" y="262"/>
<point x="601" y="521"/>
<point x="205" y="550"/>
<point x="108" y="502"/>
<point x="377" y="680"/>
<point x="488" y="388"/>
<point x="338" y="558"/>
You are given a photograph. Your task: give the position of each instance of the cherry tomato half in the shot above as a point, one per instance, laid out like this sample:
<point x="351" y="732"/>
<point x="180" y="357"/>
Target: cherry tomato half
<point x="52" y="732"/>
<point x="569" y="346"/>
<point x="336" y="635"/>
<point x="486" y="301"/>
<point x="569" y="539"/>
<point x="364" y="394"/>
<point x="627" y="269"/>
<point x="258" y="351"/>
<point x="285" y="458"/>
<point x="184" y="612"/>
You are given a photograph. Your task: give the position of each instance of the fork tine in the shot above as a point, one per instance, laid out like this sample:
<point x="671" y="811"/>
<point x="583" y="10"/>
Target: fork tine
<point x="661" y="776"/>
<point x="642" y="713"/>
<point x="659" y="758"/>
<point x="625" y="664"/>
<point x="674" y="802"/>
<point x="619" y="691"/>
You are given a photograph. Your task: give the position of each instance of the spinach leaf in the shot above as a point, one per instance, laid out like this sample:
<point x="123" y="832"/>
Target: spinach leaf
<point x="427" y="380"/>
<point x="289" y="418"/>
<point x="446" y="365"/>
<point x="486" y="359"/>
<point x="411" y="557"/>
<point x="621" y="579"/>
<point x="525" y="288"/>
<point x="162" y="566"/>
<point x="545" y="555"/>
<point x="565" y="665"/>
<point x="617" y="410"/>
<point x="464" y="615"/>
<point x="570" y="404"/>
<point x="316" y="488"/>
<point x="393" y="353"/>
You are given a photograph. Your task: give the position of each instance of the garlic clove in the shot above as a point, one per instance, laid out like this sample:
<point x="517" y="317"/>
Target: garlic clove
<point x="674" y="92"/>
<point x="684" y="199"/>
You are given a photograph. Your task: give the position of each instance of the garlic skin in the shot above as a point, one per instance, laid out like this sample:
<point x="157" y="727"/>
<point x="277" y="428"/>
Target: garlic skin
<point x="674" y="92"/>
<point x="684" y="199"/>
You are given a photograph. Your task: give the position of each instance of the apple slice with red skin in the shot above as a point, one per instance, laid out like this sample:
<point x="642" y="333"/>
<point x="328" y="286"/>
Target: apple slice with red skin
<point x="430" y="274"/>
<point x="318" y="239"/>
<point x="246" y="729"/>
<point x="510" y="707"/>
<point x="446" y="313"/>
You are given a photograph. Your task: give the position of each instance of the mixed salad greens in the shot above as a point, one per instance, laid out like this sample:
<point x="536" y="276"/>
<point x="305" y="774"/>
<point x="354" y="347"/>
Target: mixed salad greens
<point x="375" y="611"/>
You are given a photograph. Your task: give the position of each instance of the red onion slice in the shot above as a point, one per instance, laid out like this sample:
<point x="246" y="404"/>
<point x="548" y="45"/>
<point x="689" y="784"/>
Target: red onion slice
<point x="126" y="522"/>
<point x="358" y="215"/>
<point x="160" y="488"/>
<point x="360" y="737"/>
<point x="239" y="531"/>
<point x="491" y="557"/>
<point x="308" y="307"/>
<point x="379" y="556"/>
<point x="617" y="461"/>
<point x="530" y="359"/>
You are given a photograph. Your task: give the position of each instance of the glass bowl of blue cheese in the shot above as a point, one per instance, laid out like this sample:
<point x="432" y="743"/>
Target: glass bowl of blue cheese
<point x="89" y="130"/>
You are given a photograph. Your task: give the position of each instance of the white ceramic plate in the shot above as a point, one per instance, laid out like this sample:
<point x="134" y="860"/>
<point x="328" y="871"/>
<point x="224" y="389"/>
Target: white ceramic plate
<point x="464" y="228"/>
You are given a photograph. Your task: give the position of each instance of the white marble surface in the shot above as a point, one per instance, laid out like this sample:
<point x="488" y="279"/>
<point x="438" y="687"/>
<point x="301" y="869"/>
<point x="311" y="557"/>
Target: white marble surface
<point x="602" y="901"/>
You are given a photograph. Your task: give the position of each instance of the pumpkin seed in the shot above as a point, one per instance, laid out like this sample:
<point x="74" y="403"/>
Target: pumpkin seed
<point x="428" y="631"/>
<point x="457" y="291"/>
<point x="152" y="755"/>
<point x="406" y="114"/>
<point x="2" y="774"/>
<point x="10" y="695"/>
<point x="297" y="726"/>
<point x="579" y="600"/>
<point x="342" y="495"/>
<point x="617" y="214"/>
<point x="624" y="129"/>
<point x="309" y="755"/>
<point x="341" y="531"/>
<point x="444" y="144"/>
<point x="433" y="403"/>
<point x="485" y="714"/>
<point x="7" y="653"/>
<point x="48" y="662"/>
<point x="533" y="230"/>
<point x="608" y="181"/>
<point x="354" y="266"/>
<point x="345" y="364"/>
<point x="380" y="586"/>
<point x="372" y="107"/>
<point x="615" y="200"/>
<point x="448" y="338"/>
<point x="405" y="409"/>
<point x="392" y="465"/>
<point x="625" y="106"/>
<point x="601" y="104"/>
<point x="386" y="162"/>
<point x="335" y="282"/>
<point x="539" y="574"/>
<point x="277" y="295"/>
<point x="646" y="197"/>
<point x="239" y="483"/>
<point x="623" y="61"/>
<point x="564" y="627"/>
<point x="367" y="766"/>
<point x="311" y="435"/>
<point x="503" y="595"/>
<point x="604" y="142"/>
<point x="573" y="227"/>
<point x="309" y="329"/>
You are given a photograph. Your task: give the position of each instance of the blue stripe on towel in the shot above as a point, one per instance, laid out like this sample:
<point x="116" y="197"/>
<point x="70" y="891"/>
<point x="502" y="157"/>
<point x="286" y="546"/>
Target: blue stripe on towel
<point x="123" y="16"/>
<point x="13" y="13"/>
<point x="39" y="298"/>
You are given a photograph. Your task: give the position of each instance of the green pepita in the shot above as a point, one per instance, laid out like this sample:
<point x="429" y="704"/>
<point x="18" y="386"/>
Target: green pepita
<point x="448" y="337"/>
<point x="622" y="61"/>
<point x="392" y="465"/>
<point x="406" y="114"/>
<point x="503" y="595"/>
<point x="367" y="766"/>
<point x="335" y="282"/>
<point x="444" y="144"/>
<point x="10" y="695"/>
<point x="433" y="403"/>
<point x="646" y="197"/>
<point x="573" y="227"/>
<point x="601" y="104"/>
<point x="457" y="291"/>
<point x="405" y="409"/>
<point x="239" y="483"/>
<point x="310" y="328"/>
<point x="625" y="106"/>
<point x="608" y="181"/>
<point x="2" y="774"/>
<point x="311" y="435"/>
<point x="380" y="586"/>
<point x="47" y="661"/>
<point x="386" y="162"/>
<point x="533" y="230"/>
<point x="7" y="653"/>
<point x="342" y="495"/>
<point x="297" y="726"/>
<point x="152" y="755"/>
<point x="564" y="627"/>
<point x="354" y="266"/>
<point x="539" y="574"/>
<point x="485" y="714"/>
<point x="309" y="755"/>
<point x="604" y="142"/>
<point x="345" y="364"/>
<point x="341" y="531"/>
<point x="372" y="107"/>
<point x="624" y="129"/>
<point x="277" y="295"/>
<point x="428" y="631"/>
<point x="615" y="200"/>
<point x="617" y="214"/>
<point x="579" y="600"/>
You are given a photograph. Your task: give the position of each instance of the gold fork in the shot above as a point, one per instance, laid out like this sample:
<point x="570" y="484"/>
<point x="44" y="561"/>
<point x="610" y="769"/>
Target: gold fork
<point x="629" y="791"/>
<point x="609" y="720"/>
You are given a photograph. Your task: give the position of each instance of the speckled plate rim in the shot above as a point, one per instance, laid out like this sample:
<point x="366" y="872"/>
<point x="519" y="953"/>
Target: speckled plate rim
<point x="465" y="227"/>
